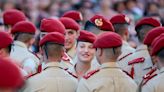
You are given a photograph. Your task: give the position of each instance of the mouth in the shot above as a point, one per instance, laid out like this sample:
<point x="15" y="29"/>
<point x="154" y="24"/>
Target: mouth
<point x="85" y="55"/>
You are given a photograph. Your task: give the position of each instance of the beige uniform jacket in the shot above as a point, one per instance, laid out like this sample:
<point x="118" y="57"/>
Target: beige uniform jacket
<point x="28" y="61"/>
<point x="156" y="84"/>
<point x="140" y="69"/>
<point x="53" y="78"/>
<point x="109" y="78"/>
<point x="126" y="48"/>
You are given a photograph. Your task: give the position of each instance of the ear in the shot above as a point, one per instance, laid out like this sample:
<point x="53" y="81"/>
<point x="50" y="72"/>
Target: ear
<point x="99" y="51"/>
<point x="77" y="34"/>
<point x="63" y="52"/>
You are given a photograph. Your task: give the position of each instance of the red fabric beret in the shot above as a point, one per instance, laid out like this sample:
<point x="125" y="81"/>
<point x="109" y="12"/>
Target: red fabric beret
<point x="147" y="21"/>
<point x="54" y="37"/>
<point x="52" y="25"/>
<point x="86" y="36"/>
<point x="102" y="23"/>
<point x="70" y="23"/>
<point x="6" y="39"/>
<point x="152" y="34"/>
<point x="157" y="44"/>
<point x="24" y="26"/>
<point x="11" y="76"/>
<point x="11" y="17"/>
<point x="108" y="40"/>
<point x="120" y="19"/>
<point x="75" y="15"/>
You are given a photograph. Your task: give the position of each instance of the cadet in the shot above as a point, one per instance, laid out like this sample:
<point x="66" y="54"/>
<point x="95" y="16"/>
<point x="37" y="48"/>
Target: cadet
<point x="24" y="32"/>
<point x="85" y="53"/>
<point x="151" y="35"/>
<point x="71" y="35"/>
<point x="156" y="84"/>
<point x="53" y="78"/>
<point x="54" y="25"/>
<point x="109" y="78"/>
<point x="139" y="63"/>
<point x="101" y="24"/>
<point x="5" y="44"/>
<point x="121" y="25"/>
<point x="11" y="17"/>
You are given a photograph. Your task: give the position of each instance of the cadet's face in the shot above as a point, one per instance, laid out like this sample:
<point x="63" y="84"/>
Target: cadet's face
<point x="85" y="51"/>
<point x="70" y="38"/>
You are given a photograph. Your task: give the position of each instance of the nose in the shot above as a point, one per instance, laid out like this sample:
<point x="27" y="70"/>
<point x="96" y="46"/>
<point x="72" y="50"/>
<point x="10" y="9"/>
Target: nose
<point x="86" y="49"/>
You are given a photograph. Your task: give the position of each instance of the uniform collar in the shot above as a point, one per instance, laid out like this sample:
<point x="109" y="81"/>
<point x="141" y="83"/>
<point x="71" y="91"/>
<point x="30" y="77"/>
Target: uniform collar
<point x="20" y="44"/>
<point x="162" y="70"/>
<point x="141" y="47"/>
<point x="109" y="65"/>
<point x="52" y="64"/>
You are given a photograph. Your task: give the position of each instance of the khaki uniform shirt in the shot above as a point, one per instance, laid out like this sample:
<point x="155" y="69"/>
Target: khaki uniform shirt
<point x="126" y="48"/>
<point x="53" y="78"/>
<point x="28" y="61"/>
<point x="155" y="84"/>
<point x="140" y="69"/>
<point x="109" y="78"/>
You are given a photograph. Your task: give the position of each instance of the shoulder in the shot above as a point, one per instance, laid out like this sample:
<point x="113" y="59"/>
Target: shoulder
<point x="91" y="73"/>
<point x="123" y="56"/>
<point x="136" y="60"/>
<point x="71" y="73"/>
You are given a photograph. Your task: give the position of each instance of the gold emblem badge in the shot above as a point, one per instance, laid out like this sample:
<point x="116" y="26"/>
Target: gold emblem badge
<point x="98" y="22"/>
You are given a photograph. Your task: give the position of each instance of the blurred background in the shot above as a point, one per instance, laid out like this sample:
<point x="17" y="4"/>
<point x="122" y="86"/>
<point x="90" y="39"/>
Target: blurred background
<point x="36" y="10"/>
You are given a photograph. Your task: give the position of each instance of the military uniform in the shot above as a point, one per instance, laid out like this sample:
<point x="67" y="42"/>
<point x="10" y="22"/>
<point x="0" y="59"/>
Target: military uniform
<point x="28" y="61"/>
<point x="140" y="67"/>
<point x="126" y="48"/>
<point x="109" y="78"/>
<point x="156" y="84"/>
<point x="66" y="62"/>
<point x="53" y="78"/>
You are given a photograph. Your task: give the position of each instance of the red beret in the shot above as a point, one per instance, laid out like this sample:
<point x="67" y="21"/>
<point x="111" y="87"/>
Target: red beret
<point x="102" y="23"/>
<point x="120" y="19"/>
<point x="147" y="21"/>
<point x="157" y="44"/>
<point x="152" y="34"/>
<point x="11" y="17"/>
<point x="52" y="25"/>
<point x="54" y="37"/>
<point x="11" y="76"/>
<point x="108" y="40"/>
<point x="86" y="36"/>
<point x="70" y="23"/>
<point x="24" y="26"/>
<point x="75" y="15"/>
<point x="6" y="39"/>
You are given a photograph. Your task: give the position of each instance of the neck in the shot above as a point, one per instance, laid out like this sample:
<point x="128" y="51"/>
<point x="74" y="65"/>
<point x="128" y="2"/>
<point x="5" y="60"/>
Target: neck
<point x="51" y="59"/>
<point x="108" y="60"/>
<point x="81" y="67"/>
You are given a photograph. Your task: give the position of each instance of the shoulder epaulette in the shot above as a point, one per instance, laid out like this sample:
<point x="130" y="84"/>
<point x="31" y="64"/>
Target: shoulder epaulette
<point x="124" y="56"/>
<point x="39" y="68"/>
<point x="29" y="76"/>
<point x="137" y="60"/>
<point x="90" y="73"/>
<point x="149" y="76"/>
<point x="65" y="57"/>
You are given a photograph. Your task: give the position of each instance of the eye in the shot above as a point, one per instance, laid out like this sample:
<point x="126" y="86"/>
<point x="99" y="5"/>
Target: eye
<point x="70" y="32"/>
<point x="91" y="47"/>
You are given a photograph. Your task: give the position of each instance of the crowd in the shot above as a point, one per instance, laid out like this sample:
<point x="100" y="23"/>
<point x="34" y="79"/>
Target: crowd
<point x="81" y="45"/>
